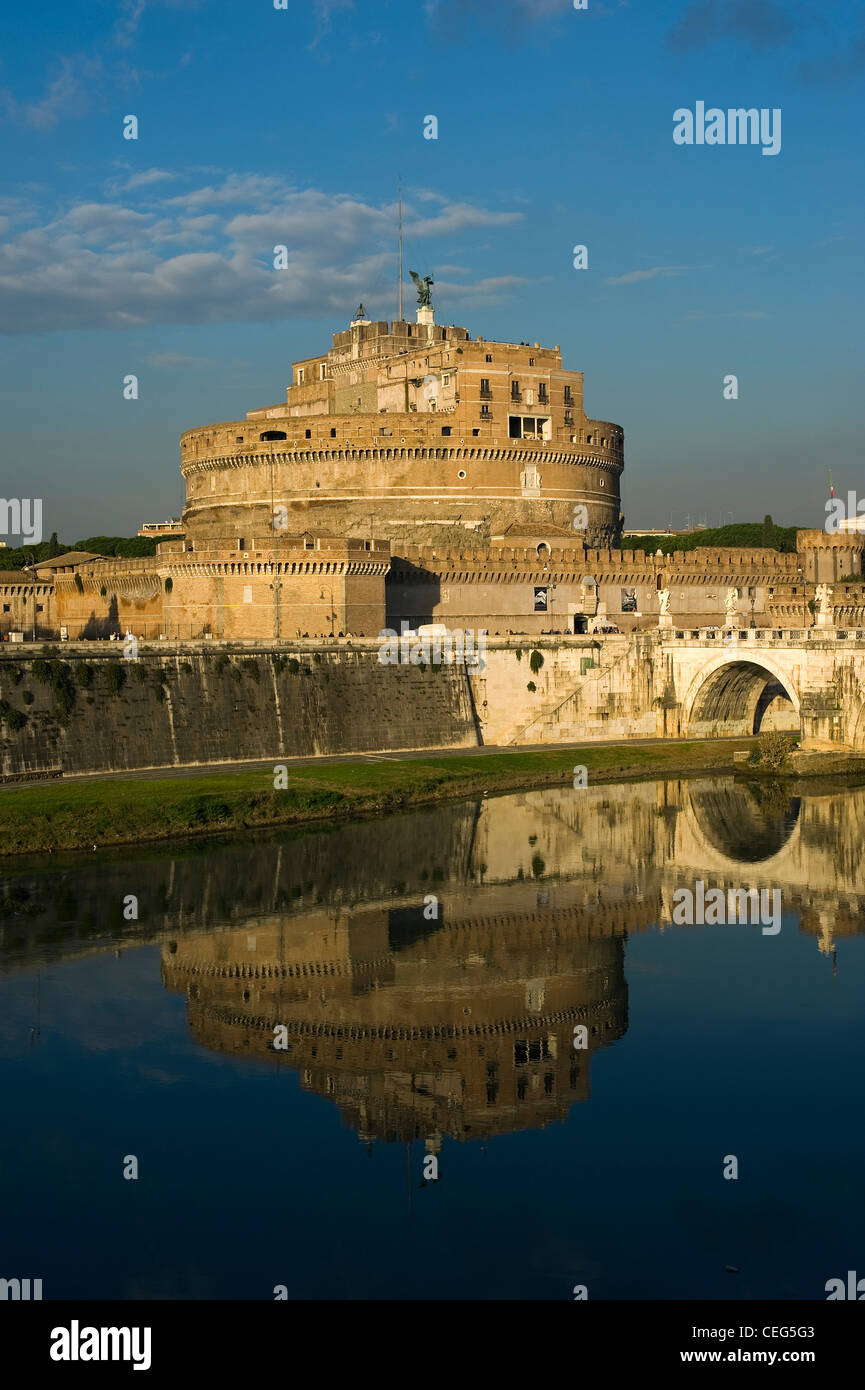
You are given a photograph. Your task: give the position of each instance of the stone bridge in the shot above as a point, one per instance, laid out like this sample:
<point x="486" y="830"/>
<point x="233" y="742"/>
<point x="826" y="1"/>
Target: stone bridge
<point x="812" y="680"/>
<point x="677" y="683"/>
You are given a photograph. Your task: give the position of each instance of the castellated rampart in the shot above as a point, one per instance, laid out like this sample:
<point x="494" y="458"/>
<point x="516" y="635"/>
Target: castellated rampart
<point x="318" y="586"/>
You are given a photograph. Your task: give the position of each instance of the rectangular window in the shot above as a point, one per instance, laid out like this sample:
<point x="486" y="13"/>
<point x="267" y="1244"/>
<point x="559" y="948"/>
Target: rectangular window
<point x="515" y="427"/>
<point x="485" y="386"/>
<point x="241" y="543"/>
<point x="489" y="357"/>
<point x="446" y="429"/>
<point x="569" y="400"/>
<point x="486" y="413"/>
<point x="515" y="390"/>
<point x="322" y="370"/>
<point x="542" y="391"/>
<point x="446" y="380"/>
<point x="300" y="376"/>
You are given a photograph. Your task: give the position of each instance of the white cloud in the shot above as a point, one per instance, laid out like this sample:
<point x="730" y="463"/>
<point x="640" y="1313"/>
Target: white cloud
<point x="634" y="277"/>
<point x="69" y="94"/>
<point x="173" y="360"/>
<point x="145" y="178"/>
<point x="200" y="257"/>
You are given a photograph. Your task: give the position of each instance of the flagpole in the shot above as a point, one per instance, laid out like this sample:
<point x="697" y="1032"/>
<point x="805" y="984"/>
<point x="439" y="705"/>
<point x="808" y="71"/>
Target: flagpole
<point x="399" y="185"/>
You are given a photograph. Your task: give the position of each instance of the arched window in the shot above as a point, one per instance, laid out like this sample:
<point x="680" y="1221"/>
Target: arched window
<point x="273" y="434"/>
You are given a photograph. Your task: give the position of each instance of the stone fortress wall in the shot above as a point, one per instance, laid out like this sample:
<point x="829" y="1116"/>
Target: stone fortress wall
<point x="322" y="586"/>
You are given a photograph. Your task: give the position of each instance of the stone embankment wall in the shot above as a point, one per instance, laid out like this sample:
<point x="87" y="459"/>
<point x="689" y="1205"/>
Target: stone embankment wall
<point x="83" y="713"/>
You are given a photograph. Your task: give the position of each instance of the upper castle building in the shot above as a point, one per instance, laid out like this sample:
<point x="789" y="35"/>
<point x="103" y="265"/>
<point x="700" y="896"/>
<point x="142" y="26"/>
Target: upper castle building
<point x="415" y="474"/>
<point x="416" y="432"/>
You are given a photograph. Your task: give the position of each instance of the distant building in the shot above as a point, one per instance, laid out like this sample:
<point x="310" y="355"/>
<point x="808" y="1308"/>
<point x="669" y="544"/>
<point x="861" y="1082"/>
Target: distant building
<point x="172" y="527"/>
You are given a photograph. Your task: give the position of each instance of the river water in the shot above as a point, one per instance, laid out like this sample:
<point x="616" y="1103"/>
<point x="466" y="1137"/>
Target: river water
<point x="429" y="1128"/>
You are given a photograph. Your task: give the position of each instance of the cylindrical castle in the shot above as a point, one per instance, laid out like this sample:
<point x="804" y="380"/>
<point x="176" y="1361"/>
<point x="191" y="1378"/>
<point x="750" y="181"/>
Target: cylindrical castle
<point x="414" y="432"/>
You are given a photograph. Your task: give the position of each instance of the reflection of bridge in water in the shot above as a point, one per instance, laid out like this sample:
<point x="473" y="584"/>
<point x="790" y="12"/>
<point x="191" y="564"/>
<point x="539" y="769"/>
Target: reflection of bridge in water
<point x="460" y="1024"/>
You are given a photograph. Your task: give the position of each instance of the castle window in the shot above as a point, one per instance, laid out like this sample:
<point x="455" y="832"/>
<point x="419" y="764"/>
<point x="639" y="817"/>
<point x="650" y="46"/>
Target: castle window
<point x="238" y="439"/>
<point x="241" y="543"/>
<point x="515" y="390"/>
<point x="542" y="391"/>
<point x="485" y="387"/>
<point x="300" y="376"/>
<point x="486" y="413"/>
<point x="446" y="379"/>
<point x="272" y="434"/>
<point x="569" y="419"/>
<point x="531" y="361"/>
<point x="307" y="434"/>
<point x="475" y="432"/>
<point x="333" y="434"/>
<point x="568" y="397"/>
<point x="489" y="357"/>
<point x="322" y="371"/>
<point x="446" y="429"/>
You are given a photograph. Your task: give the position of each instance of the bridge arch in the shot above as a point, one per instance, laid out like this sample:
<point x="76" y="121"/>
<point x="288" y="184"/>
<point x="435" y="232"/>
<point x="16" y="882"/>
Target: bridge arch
<point x="725" y="827"/>
<point x="732" y="693"/>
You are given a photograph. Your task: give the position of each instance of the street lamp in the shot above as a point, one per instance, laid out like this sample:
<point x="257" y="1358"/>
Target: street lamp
<point x="332" y="614"/>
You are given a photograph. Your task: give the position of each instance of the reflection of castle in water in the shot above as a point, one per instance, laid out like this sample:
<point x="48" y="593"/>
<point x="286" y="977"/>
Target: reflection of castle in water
<point x="461" y="1024"/>
<point x="414" y="1028"/>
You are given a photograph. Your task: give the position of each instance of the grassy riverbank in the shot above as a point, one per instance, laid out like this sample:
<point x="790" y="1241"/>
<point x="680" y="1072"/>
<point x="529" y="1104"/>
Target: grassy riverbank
<point x="115" y="811"/>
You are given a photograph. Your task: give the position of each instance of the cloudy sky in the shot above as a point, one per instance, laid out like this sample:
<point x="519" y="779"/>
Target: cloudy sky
<point x="259" y="126"/>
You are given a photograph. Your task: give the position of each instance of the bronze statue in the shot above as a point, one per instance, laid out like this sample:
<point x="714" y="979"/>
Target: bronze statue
<point x="423" y="288"/>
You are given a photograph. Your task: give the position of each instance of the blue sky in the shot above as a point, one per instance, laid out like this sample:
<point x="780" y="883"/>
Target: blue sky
<point x="260" y="126"/>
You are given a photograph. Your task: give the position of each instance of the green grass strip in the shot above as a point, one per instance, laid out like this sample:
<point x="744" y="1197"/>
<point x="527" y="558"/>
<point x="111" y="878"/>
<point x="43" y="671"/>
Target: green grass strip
<point x="122" y="810"/>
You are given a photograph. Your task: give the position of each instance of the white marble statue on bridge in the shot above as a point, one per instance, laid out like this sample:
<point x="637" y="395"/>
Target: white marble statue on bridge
<point x="731" y="616"/>
<point x="823" y="595"/>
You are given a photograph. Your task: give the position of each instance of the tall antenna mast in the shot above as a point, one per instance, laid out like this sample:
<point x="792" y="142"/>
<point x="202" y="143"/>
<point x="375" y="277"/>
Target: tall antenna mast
<point x="399" y="185"/>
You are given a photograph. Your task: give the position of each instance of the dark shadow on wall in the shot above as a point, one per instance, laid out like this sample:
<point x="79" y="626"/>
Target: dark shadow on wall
<point x="411" y="594"/>
<point x="96" y="628"/>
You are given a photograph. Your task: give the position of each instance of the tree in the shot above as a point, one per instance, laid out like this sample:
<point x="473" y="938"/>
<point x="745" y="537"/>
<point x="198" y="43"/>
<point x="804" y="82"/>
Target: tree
<point x="768" y="532"/>
<point x="53" y="546"/>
